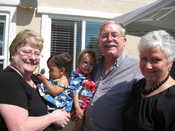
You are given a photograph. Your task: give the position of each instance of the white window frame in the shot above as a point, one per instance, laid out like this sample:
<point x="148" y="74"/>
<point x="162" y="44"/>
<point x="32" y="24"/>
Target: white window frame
<point x="4" y="55"/>
<point x="75" y="45"/>
<point x="66" y="14"/>
<point x="46" y="34"/>
<point x="10" y="30"/>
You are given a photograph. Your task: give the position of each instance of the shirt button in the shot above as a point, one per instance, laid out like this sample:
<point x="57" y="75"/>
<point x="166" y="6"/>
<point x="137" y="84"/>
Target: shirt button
<point x="91" y="103"/>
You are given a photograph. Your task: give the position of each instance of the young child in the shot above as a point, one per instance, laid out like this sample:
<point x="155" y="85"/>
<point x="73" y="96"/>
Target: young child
<point x="57" y="91"/>
<point x="85" y="88"/>
<point x="54" y="90"/>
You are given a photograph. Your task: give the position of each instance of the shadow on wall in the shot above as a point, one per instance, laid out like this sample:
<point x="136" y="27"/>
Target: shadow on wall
<point x="26" y="11"/>
<point x="29" y="3"/>
<point x="24" y="16"/>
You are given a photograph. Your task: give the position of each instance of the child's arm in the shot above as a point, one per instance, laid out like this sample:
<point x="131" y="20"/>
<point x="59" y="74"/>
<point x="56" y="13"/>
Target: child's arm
<point x="52" y="89"/>
<point x="79" y="112"/>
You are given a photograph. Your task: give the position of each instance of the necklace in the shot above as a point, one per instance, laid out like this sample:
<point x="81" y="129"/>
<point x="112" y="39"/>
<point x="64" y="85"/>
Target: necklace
<point x="148" y="91"/>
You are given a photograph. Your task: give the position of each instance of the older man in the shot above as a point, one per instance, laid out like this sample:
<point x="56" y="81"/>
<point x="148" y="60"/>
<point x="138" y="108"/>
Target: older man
<point x="114" y="78"/>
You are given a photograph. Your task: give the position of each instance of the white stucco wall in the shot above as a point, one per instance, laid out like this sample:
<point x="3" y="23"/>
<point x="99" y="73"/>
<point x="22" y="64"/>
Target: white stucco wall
<point x="111" y="6"/>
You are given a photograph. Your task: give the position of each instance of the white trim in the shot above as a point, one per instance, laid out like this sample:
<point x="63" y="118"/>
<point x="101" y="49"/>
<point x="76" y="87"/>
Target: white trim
<point x="6" y="38"/>
<point x="75" y="45"/>
<point x="46" y="34"/>
<point x="10" y="31"/>
<point x="83" y="34"/>
<point x="77" y="12"/>
<point x="74" y="18"/>
<point x="10" y="2"/>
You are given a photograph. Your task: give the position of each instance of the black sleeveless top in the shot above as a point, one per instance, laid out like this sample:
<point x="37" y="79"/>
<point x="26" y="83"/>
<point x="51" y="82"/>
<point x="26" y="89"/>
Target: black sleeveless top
<point x="15" y="91"/>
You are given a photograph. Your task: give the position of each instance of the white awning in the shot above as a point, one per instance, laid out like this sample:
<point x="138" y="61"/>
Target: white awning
<point x="158" y="15"/>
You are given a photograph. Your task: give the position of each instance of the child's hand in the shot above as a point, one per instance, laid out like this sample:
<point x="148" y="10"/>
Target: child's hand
<point x="79" y="114"/>
<point x="41" y="77"/>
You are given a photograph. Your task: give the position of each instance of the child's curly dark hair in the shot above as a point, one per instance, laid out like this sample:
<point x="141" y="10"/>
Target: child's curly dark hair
<point x="62" y="60"/>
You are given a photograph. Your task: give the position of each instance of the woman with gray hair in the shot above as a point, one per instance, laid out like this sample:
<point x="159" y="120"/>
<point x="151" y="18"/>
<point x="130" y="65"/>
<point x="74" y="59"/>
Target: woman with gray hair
<point x="151" y="106"/>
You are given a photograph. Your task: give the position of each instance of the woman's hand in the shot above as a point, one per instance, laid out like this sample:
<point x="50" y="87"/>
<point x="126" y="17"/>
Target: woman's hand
<point x="62" y="117"/>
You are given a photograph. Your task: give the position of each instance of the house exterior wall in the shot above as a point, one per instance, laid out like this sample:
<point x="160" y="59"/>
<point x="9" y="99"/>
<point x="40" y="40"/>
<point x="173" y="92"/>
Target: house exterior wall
<point x="32" y="19"/>
<point x="131" y="47"/>
<point x="112" y="6"/>
<point x="36" y="15"/>
<point x="29" y="18"/>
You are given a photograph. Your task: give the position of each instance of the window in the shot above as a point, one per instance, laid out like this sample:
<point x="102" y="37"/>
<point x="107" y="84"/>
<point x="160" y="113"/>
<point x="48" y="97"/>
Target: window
<point x="2" y="39"/>
<point x="92" y="31"/>
<point x="62" y="36"/>
<point x="67" y="36"/>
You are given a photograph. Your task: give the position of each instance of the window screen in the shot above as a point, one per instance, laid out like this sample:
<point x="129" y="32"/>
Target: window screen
<point x="62" y="36"/>
<point x="66" y="37"/>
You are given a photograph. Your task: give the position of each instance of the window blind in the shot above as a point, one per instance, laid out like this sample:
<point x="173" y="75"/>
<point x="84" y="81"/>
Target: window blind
<point x="62" y="37"/>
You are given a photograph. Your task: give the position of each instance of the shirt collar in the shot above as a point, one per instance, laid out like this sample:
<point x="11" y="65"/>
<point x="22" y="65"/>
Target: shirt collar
<point x="119" y="60"/>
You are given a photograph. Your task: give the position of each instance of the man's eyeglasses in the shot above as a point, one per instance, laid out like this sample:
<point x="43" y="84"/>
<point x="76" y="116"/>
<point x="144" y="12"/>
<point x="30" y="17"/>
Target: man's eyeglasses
<point x="115" y="35"/>
<point x="30" y="53"/>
